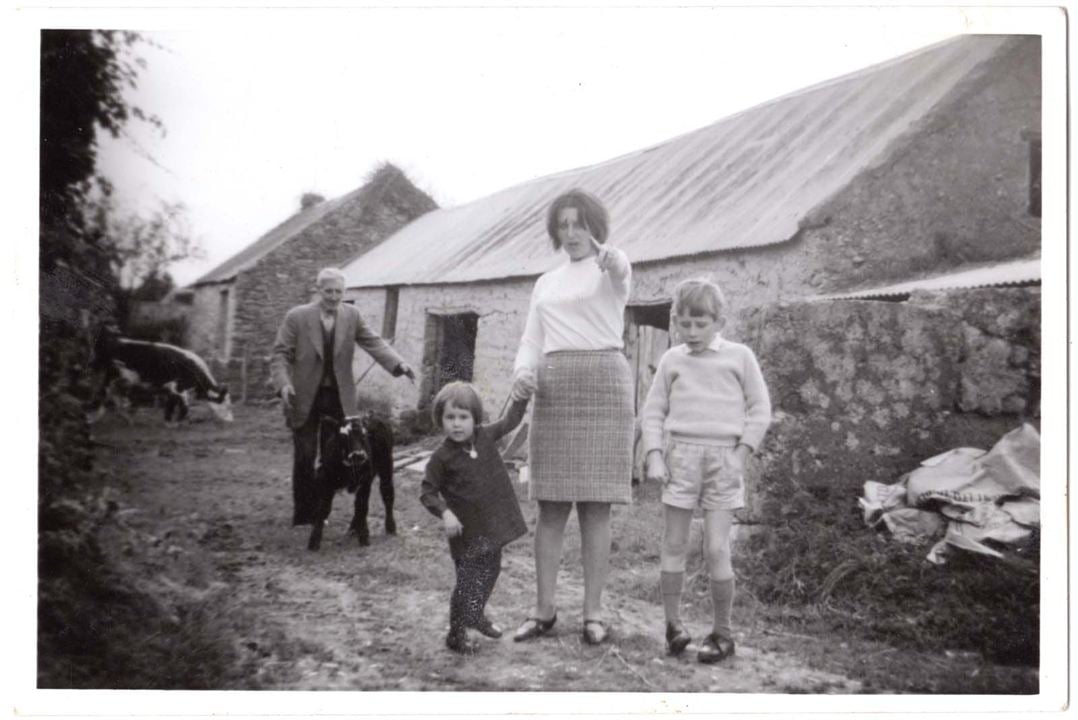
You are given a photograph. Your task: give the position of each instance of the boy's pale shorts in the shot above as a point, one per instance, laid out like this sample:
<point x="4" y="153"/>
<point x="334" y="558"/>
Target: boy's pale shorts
<point x="706" y="475"/>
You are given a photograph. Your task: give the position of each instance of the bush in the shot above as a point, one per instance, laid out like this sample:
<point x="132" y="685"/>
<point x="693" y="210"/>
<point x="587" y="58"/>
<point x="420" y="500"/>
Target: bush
<point x="96" y="629"/>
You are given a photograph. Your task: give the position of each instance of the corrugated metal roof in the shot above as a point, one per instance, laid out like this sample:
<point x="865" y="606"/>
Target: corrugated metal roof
<point x="1013" y="272"/>
<point x="745" y="181"/>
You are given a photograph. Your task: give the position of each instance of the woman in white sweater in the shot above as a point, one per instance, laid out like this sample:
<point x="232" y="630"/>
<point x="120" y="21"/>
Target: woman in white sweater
<point x="582" y="420"/>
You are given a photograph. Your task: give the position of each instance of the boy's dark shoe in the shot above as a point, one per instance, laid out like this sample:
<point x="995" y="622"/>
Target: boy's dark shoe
<point x="486" y="627"/>
<point x="677" y="639"/>
<point x="714" y="648"/>
<point x="459" y="642"/>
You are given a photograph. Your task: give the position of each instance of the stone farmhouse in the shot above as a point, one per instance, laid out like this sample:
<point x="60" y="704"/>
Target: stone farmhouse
<point x="878" y="237"/>
<point x="233" y="311"/>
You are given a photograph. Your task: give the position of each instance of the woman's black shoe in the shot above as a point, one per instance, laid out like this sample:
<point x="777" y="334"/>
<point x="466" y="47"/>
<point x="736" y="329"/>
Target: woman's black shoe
<point x="534" y="627"/>
<point x="677" y="639"/>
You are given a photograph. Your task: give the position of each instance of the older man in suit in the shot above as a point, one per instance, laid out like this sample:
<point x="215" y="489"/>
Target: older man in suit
<point x="312" y="371"/>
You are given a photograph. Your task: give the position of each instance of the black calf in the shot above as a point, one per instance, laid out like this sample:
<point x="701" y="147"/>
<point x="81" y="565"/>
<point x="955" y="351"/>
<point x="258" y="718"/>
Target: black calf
<point x="357" y="451"/>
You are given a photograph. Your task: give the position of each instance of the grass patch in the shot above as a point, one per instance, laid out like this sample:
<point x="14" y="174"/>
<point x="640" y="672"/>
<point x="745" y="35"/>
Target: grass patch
<point x="97" y="630"/>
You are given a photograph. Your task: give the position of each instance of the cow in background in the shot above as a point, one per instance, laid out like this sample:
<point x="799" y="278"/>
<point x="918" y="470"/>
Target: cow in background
<point x="133" y="366"/>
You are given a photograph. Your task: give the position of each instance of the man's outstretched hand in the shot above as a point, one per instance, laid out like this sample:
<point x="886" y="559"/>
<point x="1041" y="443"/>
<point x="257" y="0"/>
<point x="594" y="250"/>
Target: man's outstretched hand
<point x="288" y="394"/>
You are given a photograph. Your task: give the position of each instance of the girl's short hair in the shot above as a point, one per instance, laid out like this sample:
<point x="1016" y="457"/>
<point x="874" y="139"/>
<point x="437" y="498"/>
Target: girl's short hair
<point x="698" y="296"/>
<point x="588" y="208"/>
<point x="459" y="394"/>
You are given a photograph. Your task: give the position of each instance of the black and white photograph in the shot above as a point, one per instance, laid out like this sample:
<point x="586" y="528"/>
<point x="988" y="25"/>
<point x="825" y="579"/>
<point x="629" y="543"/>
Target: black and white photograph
<point x="567" y="360"/>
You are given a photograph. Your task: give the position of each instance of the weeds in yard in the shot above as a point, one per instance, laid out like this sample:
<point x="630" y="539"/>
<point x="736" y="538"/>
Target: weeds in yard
<point x="856" y="580"/>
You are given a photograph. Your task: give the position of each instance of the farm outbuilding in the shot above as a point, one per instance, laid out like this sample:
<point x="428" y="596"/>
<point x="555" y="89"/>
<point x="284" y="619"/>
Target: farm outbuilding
<point x="918" y="168"/>
<point x="233" y="311"/>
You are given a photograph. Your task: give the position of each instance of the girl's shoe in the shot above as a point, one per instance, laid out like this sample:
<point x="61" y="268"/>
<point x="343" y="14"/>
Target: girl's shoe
<point x="533" y="627"/>
<point x="594" y="632"/>
<point x="677" y="639"/>
<point x="459" y="642"/>
<point x="486" y="627"/>
<point x="714" y="648"/>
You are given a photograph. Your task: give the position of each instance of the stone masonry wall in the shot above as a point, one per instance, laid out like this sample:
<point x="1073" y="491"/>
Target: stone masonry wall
<point x="865" y="390"/>
<point x="502" y="308"/>
<point x="204" y="319"/>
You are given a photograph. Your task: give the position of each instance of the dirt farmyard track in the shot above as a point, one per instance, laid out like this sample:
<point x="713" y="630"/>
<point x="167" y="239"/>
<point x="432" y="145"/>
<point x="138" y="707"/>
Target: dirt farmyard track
<point x="212" y="505"/>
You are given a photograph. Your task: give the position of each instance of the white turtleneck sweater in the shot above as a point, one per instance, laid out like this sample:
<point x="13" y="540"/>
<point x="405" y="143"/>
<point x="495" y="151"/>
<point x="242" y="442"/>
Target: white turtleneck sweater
<point x="576" y="306"/>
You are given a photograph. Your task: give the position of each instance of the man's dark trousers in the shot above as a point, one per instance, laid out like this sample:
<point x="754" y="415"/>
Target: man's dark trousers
<point x="307" y="442"/>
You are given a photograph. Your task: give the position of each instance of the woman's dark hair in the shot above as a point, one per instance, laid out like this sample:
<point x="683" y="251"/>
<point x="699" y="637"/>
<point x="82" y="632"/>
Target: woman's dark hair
<point x="459" y="394"/>
<point x="588" y="208"/>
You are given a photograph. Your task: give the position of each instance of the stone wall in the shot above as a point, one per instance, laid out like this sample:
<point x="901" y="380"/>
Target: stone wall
<point x="502" y="308"/>
<point x="865" y="390"/>
<point x="204" y="317"/>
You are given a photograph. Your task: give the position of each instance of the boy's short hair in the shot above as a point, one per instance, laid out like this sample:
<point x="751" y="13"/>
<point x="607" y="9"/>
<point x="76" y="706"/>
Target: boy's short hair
<point x="698" y="296"/>
<point x="329" y="273"/>
<point x="589" y="210"/>
<point x="462" y="395"/>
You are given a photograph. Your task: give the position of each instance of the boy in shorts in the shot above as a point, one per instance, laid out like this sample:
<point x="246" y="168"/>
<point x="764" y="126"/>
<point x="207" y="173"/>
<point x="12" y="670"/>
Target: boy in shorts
<point x="710" y="400"/>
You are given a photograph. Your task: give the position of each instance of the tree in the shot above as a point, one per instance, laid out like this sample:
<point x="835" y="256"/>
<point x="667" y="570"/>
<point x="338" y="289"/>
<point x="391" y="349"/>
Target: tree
<point x="141" y="247"/>
<point x="83" y="76"/>
<point x="154" y="287"/>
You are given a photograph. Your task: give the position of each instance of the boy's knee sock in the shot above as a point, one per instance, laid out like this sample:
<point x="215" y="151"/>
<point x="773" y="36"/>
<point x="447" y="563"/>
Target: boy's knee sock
<point x="671" y="583"/>
<point x="722" y="603"/>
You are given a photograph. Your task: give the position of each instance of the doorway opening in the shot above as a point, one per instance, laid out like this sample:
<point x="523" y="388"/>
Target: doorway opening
<point x="448" y="351"/>
<point x="647" y="337"/>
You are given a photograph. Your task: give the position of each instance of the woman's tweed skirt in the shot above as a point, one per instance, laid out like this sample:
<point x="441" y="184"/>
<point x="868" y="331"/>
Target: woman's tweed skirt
<point x="582" y="428"/>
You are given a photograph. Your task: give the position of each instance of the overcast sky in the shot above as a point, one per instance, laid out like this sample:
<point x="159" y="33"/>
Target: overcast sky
<point x="262" y="108"/>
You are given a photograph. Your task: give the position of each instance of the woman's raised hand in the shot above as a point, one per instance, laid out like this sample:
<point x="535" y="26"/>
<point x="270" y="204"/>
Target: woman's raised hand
<point x="603" y="257"/>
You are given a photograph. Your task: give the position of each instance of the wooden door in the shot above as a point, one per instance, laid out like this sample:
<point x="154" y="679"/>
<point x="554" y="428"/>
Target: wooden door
<point x="646" y="339"/>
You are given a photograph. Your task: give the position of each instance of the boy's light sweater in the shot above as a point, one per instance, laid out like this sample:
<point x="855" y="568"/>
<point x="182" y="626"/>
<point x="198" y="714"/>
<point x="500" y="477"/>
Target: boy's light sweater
<point x="576" y="306"/>
<point x="717" y="397"/>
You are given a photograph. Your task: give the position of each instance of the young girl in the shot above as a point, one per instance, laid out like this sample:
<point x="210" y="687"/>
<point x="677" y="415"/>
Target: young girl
<point x="467" y="486"/>
<point x="710" y="399"/>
